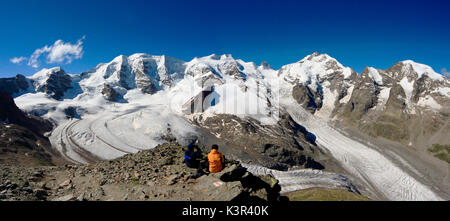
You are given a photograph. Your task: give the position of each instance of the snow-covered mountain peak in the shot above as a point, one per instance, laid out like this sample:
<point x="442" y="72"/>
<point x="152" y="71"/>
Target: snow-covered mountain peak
<point x="219" y="57"/>
<point x="213" y="57"/>
<point x="120" y="58"/>
<point x="139" y="55"/>
<point x="317" y="57"/>
<point x="222" y="66"/>
<point x="264" y="65"/>
<point x="314" y="68"/>
<point x="44" y="74"/>
<point x="47" y="71"/>
<point x="422" y="69"/>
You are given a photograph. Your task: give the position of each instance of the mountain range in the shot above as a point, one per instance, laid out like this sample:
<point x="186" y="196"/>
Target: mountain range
<point x="394" y="99"/>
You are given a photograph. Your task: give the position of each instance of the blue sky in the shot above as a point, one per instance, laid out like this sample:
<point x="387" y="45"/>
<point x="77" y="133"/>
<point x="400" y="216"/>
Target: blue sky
<point x="374" y="33"/>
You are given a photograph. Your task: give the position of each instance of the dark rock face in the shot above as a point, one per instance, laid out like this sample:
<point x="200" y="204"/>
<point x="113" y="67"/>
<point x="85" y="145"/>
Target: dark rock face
<point x="15" y="85"/>
<point x="235" y="72"/>
<point x="279" y="146"/>
<point x="21" y="146"/>
<point x="71" y="112"/>
<point x="12" y="114"/>
<point x="123" y="74"/>
<point x="22" y="140"/>
<point x="309" y="99"/>
<point x="363" y="98"/>
<point x="109" y="93"/>
<point x="57" y="84"/>
<point x="143" y="81"/>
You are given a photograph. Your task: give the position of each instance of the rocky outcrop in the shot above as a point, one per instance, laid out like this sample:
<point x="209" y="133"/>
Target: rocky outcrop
<point x="71" y="112"/>
<point x="109" y="93"/>
<point x="123" y="72"/>
<point x="309" y="99"/>
<point x="363" y="98"/>
<point x="237" y="184"/>
<point x="56" y="84"/>
<point x="157" y="174"/>
<point x="143" y="81"/>
<point x="11" y="114"/>
<point x="286" y="144"/>
<point x="22" y="140"/>
<point x="15" y="85"/>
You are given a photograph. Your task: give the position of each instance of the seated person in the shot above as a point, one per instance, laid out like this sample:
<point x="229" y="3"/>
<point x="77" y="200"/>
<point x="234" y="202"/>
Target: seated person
<point x="192" y="157"/>
<point x="215" y="159"/>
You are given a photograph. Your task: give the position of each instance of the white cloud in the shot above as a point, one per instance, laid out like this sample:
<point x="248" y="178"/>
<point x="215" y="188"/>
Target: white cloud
<point x="17" y="60"/>
<point x="33" y="61"/>
<point x="59" y="52"/>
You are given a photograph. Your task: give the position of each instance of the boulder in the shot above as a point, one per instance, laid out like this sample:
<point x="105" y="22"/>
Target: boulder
<point x="69" y="197"/>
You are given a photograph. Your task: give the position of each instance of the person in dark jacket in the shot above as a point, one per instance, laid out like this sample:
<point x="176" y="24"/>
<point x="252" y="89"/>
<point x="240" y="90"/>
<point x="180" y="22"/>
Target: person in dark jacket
<point x="191" y="156"/>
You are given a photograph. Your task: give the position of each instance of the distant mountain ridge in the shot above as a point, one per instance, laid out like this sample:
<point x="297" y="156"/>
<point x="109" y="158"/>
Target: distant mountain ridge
<point x="385" y="103"/>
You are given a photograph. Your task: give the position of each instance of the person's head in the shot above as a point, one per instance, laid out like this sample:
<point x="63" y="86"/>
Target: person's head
<point x="190" y="147"/>
<point x="214" y="147"/>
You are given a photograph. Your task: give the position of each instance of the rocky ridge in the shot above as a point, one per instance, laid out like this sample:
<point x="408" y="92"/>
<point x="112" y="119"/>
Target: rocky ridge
<point x="157" y="174"/>
<point x="281" y="146"/>
<point x="22" y="139"/>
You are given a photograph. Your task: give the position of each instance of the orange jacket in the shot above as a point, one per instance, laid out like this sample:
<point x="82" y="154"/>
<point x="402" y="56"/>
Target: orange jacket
<point x="216" y="161"/>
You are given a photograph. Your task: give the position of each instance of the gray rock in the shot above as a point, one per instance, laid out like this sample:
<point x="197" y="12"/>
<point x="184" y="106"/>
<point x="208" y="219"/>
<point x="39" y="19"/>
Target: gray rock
<point x="12" y="186"/>
<point x="27" y="189"/>
<point x="69" y="197"/>
<point x="43" y="185"/>
<point x="82" y="197"/>
<point x="65" y="183"/>
<point x="143" y="195"/>
<point x="309" y="99"/>
<point x="172" y="179"/>
<point x="217" y="189"/>
<point x="109" y="93"/>
<point x="99" y="192"/>
<point x="40" y="194"/>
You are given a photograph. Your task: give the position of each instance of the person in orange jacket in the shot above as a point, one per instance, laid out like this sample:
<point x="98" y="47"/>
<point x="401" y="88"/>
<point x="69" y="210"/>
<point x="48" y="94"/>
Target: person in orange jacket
<point x="215" y="159"/>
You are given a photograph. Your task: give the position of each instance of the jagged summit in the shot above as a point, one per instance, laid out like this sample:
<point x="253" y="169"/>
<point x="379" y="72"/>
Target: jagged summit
<point x="422" y="69"/>
<point x="265" y="65"/>
<point x="319" y="72"/>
